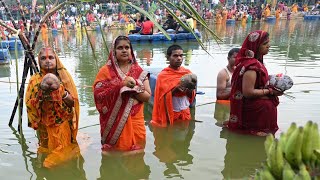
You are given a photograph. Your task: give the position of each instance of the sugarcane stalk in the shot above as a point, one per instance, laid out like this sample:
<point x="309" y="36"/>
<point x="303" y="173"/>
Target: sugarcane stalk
<point x="17" y="78"/>
<point x="9" y="14"/>
<point x="87" y="35"/>
<point x="44" y="19"/>
<point x="21" y="90"/>
<point x="32" y="22"/>
<point x="25" y="44"/>
<point x="102" y="34"/>
<point x="23" y="39"/>
<point x="23" y="17"/>
<point x="91" y="45"/>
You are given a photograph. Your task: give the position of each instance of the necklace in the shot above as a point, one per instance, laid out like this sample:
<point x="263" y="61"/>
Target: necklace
<point x="126" y="69"/>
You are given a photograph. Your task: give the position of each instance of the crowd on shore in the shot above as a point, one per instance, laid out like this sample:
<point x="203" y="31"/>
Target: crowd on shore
<point x="113" y="15"/>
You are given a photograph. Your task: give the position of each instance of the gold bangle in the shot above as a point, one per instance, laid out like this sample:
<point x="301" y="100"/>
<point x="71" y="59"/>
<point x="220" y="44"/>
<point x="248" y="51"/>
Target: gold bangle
<point x="262" y="92"/>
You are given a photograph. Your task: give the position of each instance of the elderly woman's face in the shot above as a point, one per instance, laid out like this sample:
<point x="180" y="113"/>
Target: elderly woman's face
<point x="47" y="60"/>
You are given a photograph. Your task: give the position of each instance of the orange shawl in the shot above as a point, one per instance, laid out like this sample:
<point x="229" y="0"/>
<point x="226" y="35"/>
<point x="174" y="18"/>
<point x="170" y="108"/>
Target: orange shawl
<point x="167" y="79"/>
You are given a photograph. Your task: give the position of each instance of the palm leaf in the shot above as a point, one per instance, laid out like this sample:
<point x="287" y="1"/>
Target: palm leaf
<point x="149" y="16"/>
<point x="184" y="25"/>
<point x="197" y="17"/>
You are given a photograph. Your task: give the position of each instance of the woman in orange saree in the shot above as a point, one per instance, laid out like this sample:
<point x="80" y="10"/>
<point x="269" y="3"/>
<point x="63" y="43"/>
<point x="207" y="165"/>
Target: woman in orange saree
<point x="44" y="34"/>
<point x="120" y="88"/>
<point x="54" y="113"/>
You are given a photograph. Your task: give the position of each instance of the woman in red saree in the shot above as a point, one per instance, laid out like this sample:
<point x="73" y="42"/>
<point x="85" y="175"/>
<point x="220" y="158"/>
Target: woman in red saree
<point x="253" y="102"/>
<point x="120" y="88"/>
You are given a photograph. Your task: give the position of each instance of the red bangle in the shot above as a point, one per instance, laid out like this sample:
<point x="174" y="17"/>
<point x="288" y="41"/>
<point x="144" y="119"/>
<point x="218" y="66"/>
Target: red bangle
<point x="270" y="91"/>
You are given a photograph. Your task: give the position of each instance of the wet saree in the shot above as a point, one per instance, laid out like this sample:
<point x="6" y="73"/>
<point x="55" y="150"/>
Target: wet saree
<point x="121" y="122"/>
<point x="55" y="122"/>
<point x="252" y="115"/>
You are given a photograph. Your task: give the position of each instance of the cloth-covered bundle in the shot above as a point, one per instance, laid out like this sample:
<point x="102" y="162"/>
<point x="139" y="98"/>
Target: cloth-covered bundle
<point x="281" y="82"/>
<point x="50" y="82"/>
<point x="189" y="81"/>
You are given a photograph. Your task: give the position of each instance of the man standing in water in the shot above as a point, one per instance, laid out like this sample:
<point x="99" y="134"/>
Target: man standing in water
<point x="174" y="91"/>
<point x="225" y="75"/>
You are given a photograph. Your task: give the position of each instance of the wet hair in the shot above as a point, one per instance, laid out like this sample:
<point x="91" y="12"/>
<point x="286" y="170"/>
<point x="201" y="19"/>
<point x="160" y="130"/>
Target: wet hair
<point x="173" y="48"/>
<point x="232" y="51"/>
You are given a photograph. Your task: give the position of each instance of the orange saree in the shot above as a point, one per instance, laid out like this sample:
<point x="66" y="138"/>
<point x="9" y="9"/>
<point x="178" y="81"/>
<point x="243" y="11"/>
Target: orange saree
<point x="121" y="121"/>
<point x="163" y="112"/>
<point x="55" y="122"/>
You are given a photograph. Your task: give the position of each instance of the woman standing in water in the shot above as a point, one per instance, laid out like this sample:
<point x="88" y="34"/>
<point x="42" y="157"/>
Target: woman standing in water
<point x="120" y="89"/>
<point x="53" y="109"/>
<point x="253" y="102"/>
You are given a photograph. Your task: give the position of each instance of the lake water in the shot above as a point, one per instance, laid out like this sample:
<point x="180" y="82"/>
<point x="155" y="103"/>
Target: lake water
<point x="200" y="149"/>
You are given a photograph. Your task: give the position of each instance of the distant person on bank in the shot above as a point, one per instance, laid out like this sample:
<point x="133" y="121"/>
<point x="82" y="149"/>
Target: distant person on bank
<point x="147" y="27"/>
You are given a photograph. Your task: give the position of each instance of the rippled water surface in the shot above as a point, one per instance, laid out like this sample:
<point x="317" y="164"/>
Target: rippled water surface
<point x="200" y="150"/>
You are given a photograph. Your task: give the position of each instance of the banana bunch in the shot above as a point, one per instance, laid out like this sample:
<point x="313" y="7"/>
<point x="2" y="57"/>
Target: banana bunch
<point x="295" y="155"/>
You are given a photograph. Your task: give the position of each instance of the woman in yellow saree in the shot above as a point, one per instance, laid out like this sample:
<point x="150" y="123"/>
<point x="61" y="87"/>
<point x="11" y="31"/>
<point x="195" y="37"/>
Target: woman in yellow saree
<point x="53" y="112"/>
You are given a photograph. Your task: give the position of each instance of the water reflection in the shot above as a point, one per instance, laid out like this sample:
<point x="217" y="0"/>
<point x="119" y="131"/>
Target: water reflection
<point x="124" y="167"/>
<point x="71" y="169"/>
<point x="172" y="146"/>
<point x="221" y="113"/>
<point x="244" y="154"/>
<point x="294" y="44"/>
<point x="145" y="55"/>
<point x="5" y="70"/>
